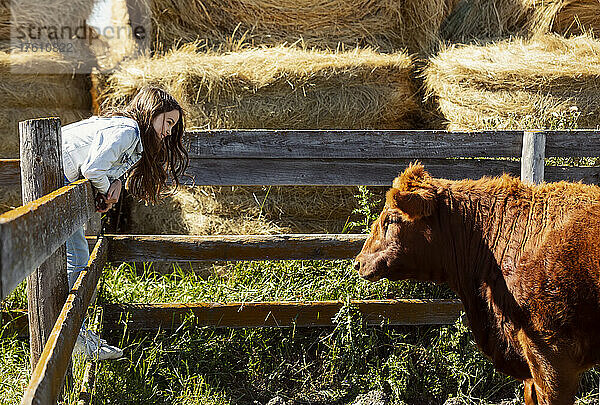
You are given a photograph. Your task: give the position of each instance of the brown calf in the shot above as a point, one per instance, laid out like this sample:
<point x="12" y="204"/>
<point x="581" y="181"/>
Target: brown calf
<point x="524" y="260"/>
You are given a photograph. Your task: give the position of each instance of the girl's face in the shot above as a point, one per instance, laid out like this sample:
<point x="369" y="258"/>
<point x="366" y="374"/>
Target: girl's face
<point x="164" y="122"/>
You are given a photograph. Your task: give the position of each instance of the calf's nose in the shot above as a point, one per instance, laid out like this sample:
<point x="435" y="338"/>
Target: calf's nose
<point x="356" y="265"/>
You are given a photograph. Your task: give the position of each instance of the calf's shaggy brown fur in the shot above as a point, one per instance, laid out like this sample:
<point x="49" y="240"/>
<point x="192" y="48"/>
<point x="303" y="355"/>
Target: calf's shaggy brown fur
<point x="524" y="260"/>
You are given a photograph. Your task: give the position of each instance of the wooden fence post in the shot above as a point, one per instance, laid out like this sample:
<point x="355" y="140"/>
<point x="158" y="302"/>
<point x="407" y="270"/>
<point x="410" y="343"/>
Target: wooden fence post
<point x="532" y="156"/>
<point x="42" y="173"/>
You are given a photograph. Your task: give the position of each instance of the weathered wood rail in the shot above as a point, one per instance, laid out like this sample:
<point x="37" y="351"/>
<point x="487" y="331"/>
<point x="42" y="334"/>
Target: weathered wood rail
<point x="10" y="172"/>
<point x="278" y="314"/>
<point x="49" y="373"/>
<point x="367" y="157"/>
<point x="31" y="233"/>
<point x="32" y="237"/>
<point x="269" y="314"/>
<point x="137" y="248"/>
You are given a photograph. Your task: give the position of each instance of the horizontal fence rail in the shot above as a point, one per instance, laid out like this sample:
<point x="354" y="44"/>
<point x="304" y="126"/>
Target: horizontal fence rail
<point x="373" y="158"/>
<point x="31" y="233"/>
<point x="277" y="314"/>
<point x="137" y="248"/>
<point x="50" y="371"/>
<point x="351" y="144"/>
<point x="264" y="314"/>
<point x="349" y="172"/>
<point x="365" y="157"/>
<point x="14" y="321"/>
<point x="332" y="172"/>
<point x="10" y="172"/>
<point x="365" y="144"/>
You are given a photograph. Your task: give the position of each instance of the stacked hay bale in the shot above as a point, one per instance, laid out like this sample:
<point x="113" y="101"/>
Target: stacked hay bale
<point x="269" y="88"/>
<point x="56" y="93"/>
<point x="47" y="16"/>
<point x="55" y="90"/>
<point x="546" y="82"/>
<point x="386" y="25"/>
<point x="482" y="20"/>
<point x="485" y="20"/>
<point x="278" y="87"/>
<point x="568" y="17"/>
<point x="247" y="210"/>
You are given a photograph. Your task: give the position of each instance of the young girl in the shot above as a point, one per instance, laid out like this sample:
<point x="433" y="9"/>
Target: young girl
<point x="142" y="142"/>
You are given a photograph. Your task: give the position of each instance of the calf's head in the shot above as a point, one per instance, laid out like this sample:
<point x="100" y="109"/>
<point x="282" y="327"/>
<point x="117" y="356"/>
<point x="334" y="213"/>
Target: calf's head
<point x="400" y="242"/>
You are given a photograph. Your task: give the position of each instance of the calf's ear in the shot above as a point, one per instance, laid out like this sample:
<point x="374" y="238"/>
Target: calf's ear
<point x="415" y="204"/>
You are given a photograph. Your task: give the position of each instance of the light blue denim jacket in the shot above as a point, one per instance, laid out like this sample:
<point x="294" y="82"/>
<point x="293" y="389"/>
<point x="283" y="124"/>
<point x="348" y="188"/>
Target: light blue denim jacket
<point x="100" y="149"/>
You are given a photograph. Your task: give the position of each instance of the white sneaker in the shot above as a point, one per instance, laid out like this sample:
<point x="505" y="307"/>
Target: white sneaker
<point x="94" y="348"/>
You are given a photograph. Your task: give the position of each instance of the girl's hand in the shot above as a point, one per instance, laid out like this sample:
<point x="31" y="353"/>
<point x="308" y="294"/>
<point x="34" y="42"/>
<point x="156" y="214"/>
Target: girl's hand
<point x="101" y="205"/>
<point x="114" y="192"/>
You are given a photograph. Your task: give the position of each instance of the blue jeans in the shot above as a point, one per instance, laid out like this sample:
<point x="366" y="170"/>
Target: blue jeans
<point x="78" y="253"/>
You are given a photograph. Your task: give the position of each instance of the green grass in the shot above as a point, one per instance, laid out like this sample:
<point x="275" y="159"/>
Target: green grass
<point x="324" y="365"/>
<point x="414" y="365"/>
<point x="321" y="365"/>
<point x="15" y="357"/>
<point x="258" y="281"/>
<point x="14" y="368"/>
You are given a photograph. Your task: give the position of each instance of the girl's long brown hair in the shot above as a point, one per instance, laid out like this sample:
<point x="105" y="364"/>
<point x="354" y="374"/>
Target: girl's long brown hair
<point x="160" y="159"/>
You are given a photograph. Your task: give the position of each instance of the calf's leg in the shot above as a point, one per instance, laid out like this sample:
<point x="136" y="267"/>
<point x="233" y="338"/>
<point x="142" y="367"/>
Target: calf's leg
<point x="529" y="392"/>
<point x="555" y="378"/>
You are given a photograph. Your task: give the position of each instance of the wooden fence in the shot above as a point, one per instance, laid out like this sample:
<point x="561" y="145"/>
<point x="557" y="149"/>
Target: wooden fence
<point x="32" y="233"/>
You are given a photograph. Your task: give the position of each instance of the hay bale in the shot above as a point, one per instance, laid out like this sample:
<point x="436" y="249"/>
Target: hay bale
<point x="48" y="63"/>
<point x="190" y="211"/>
<point x="57" y="93"/>
<point x="546" y="82"/>
<point x="247" y="210"/>
<point x="568" y="17"/>
<point x="278" y="87"/>
<point x="9" y="124"/>
<point x="389" y="26"/>
<point x="44" y="91"/>
<point x="484" y="20"/>
<point x="61" y="24"/>
<point x="55" y="13"/>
